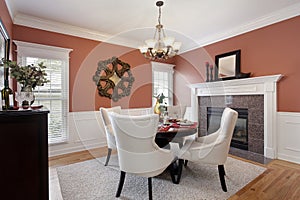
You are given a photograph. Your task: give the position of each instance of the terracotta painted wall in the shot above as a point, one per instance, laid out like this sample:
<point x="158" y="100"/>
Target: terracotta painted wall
<point x="83" y="64"/>
<point x="6" y="19"/>
<point x="271" y="50"/>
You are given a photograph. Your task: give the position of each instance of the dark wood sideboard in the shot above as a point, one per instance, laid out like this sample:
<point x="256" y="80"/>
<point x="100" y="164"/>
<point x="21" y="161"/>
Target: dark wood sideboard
<point x="24" y="155"/>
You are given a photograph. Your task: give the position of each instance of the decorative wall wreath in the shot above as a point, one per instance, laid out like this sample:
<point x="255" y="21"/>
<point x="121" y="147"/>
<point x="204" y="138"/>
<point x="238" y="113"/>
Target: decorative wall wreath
<point x="113" y="78"/>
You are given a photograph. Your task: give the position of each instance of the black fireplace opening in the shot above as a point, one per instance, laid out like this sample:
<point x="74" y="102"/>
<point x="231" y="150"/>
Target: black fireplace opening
<point x="240" y="133"/>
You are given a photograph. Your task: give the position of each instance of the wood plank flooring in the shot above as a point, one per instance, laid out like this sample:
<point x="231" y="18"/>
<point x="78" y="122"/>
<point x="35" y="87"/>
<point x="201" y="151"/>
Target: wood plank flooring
<point x="281" y="180"/>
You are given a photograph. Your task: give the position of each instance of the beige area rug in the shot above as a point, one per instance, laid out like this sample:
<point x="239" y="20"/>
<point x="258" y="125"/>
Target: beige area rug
<point x="91" y="180"/>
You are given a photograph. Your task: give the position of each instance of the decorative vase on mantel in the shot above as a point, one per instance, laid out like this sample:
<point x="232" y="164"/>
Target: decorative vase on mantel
<point x="157" y="107"/>
<point x="29" y="94"/>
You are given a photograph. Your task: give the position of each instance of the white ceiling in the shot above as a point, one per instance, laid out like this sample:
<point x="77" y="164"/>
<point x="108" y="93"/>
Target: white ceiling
<point x="129" y="22"/>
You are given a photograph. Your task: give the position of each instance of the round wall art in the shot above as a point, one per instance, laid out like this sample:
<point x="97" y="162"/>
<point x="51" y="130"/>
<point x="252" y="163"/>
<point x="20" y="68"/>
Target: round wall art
<point x="113" y="78"/>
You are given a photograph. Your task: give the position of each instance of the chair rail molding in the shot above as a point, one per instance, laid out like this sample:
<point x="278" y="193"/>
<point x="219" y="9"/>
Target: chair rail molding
<point x="263" y="85"/>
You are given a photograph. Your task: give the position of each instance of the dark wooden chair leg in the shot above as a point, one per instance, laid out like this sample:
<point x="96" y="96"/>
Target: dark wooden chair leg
<point x="185" y="162"/>
<point x="179" y="170"/>
<point x="150" y="188"/>
<point x="121" y="183"/>
<point x="108" y="156"/>
<point x="222" y="177"/>
<point x="176" y="170"/>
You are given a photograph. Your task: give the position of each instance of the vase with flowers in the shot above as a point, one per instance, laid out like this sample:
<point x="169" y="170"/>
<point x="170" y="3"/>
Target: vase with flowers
<point x="28" y="77"/>
<point x="159" y="108"/>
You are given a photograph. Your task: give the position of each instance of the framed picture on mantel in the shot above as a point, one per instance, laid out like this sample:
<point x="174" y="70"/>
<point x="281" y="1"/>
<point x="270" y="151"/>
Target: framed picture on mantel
<point x="228" y="65"/>
<point x="4" y="50"/>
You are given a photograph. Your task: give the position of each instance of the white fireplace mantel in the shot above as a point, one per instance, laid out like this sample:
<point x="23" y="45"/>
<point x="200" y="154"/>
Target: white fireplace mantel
<point x="264" y="85"/>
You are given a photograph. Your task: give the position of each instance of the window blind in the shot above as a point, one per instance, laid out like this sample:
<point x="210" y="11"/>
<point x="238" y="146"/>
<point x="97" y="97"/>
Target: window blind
<point x="53" y="95"/>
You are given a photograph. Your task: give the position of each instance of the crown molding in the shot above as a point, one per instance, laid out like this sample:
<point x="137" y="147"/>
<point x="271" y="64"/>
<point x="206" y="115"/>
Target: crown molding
<point x="272" y="18"/>
<point x="34" y="22"/>
<point x="39" y="23"/>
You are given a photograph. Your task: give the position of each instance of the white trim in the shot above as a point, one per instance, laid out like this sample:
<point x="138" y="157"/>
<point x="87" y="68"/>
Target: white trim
<point x="272" y="18"/>
<point x="164" y="67"/>
<point x="288" y="127"/>
<point x="48" y="25"/>
<point x="38" y="50"/>
<point x="79" y="147"/>
<point x="266" y="85"/>
<point x="26" y="49"/>
<point x="34" y="22"/>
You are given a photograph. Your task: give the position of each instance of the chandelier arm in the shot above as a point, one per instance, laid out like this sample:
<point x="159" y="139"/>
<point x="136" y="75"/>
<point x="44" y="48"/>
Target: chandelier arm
<point x="163" y="32"/>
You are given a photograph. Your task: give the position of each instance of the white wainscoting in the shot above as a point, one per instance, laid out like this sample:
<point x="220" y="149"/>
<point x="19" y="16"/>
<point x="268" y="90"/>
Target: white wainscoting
<point x="288" y="136"/>
<point x="85" y="132"/>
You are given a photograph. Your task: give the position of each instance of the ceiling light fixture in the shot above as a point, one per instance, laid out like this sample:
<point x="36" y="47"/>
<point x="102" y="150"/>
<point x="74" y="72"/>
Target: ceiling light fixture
<point x="160" y="47"/>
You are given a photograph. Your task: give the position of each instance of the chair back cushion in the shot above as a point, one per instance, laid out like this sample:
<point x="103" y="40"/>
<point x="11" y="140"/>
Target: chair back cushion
<point x="110" y="135"/>
<point x="227" y="125"/>
<point x="137" y="151"/>
<point x="213" y="148"/>
<point x="104" y="114"/>
<point x="221" y="146"/>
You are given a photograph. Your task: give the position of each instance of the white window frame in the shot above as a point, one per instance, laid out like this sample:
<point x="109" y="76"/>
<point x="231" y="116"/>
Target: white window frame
<point x="164" y="67"/>
<point x="26" y="49"/>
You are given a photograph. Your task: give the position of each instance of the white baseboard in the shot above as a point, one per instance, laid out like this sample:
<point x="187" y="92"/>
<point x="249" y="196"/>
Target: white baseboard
<point x="73" y="149"/>
<point x="288" y="132"/>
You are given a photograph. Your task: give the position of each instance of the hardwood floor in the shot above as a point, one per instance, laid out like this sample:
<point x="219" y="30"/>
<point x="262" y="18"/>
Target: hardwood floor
<point x="281" y="180"/>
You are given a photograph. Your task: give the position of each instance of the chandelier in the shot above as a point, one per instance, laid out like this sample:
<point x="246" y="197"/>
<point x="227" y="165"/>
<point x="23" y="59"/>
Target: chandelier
<point x="160" y="47"/>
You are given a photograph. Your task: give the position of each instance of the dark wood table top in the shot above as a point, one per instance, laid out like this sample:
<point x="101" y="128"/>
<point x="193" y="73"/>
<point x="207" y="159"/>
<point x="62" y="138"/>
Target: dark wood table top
<point x="175" y="130"/>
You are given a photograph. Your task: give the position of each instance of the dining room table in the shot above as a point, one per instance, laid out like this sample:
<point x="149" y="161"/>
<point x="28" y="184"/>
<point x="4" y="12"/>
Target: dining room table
<point x="174" y="129"/>
<point x="171" y="132"/>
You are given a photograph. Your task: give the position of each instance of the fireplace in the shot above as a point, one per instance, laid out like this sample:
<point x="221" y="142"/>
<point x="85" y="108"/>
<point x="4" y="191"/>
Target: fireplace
<point x="240" y="133"/>
<point x="257" y="94"/>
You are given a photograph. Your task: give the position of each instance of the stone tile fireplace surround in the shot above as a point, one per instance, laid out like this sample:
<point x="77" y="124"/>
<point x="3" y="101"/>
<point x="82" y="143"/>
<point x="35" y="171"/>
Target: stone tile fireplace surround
<point x="258" y="95"/>
<point x="255" y="106"/>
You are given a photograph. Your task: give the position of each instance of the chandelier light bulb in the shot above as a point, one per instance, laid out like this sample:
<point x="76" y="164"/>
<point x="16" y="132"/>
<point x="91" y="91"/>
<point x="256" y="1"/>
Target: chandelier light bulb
<point x="161" y="46"/>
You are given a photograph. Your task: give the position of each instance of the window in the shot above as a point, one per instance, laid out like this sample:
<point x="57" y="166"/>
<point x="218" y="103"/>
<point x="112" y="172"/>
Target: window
<point x="162" y="79"/>
<point x="55" y="94"/>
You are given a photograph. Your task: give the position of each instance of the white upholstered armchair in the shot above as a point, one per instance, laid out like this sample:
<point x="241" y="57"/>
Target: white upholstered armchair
<point x="138" y="153"/>
<point x="110" y="135"/>
<point x="213" y="149"/>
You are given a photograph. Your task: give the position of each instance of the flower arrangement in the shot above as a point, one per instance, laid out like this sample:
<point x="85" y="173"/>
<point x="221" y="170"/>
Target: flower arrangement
<point x="160" y="97"/>
<point x="28" y="76"/>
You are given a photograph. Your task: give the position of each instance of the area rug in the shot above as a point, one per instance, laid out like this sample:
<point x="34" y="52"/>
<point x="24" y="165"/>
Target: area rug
<point x="91" y="180"/>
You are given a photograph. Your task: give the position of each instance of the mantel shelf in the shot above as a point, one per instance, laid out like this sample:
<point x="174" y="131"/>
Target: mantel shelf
<point x="247" y="86"/>
<point x="238" y="82"/>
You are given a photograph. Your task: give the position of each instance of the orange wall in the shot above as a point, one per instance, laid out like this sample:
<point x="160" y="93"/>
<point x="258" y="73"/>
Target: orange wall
<point x="83" y="64"/>
<point x="270" y="50"/>
<point x="274" y="49"/>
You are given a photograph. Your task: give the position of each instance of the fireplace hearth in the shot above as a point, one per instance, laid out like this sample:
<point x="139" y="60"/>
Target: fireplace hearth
<point x="240" y="133"/>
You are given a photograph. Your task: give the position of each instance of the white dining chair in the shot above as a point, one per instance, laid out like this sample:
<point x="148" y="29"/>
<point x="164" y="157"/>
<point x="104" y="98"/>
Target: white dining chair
<point x="138" y="153"/>
<point x="110" y="135"/>
<point x="212" y="149"/>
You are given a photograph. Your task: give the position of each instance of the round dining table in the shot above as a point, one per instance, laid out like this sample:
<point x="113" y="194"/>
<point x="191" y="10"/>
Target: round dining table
<point x="168" y="133"/>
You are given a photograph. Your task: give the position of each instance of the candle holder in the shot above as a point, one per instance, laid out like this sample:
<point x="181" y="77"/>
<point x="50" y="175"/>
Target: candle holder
<point x="207" y="71"/>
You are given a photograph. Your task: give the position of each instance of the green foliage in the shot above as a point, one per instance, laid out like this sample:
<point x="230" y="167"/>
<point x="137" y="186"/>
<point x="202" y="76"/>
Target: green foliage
<point x="160" y="97"/>
<point x="29" y="75"/>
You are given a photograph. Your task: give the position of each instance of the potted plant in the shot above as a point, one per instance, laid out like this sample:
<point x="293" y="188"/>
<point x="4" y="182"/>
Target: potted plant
<point x="28" y="76"/>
